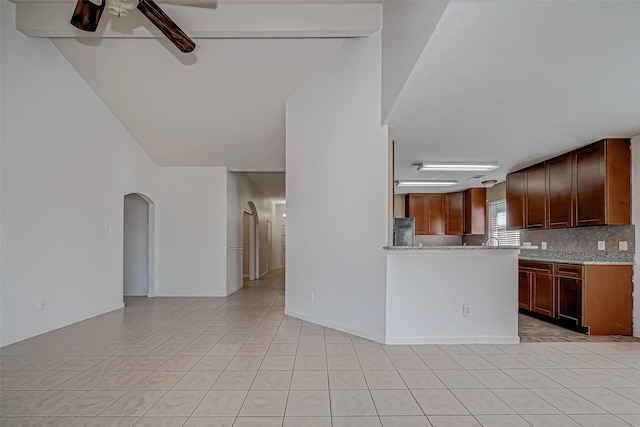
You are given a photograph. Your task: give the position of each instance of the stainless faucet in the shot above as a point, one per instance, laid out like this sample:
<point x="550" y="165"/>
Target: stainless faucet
<point x="492" y="238"/>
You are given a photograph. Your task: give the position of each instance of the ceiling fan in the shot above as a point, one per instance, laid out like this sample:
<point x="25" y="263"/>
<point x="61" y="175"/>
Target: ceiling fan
<point x="87" y="15"/>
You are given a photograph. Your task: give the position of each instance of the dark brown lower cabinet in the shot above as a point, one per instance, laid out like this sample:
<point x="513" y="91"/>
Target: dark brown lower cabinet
<point x="524" y="290"/>
<point x="543" y="301"/>
<point x="569" y="299"/>
<point x="595" y="297"/>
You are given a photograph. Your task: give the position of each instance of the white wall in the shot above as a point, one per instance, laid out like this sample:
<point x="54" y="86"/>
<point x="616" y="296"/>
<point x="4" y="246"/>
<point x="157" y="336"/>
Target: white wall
<point x="635" y="209"/>
<point x="136" y="246"/>
<point x="277" y="260"/>
<point x="337" y="155"/>
<point x="66" y="165"/>
<point x="406" y="28"/>
<point x="191" y="240"/>
<point x="426" y="291"/>
<point x="240" y="191"/>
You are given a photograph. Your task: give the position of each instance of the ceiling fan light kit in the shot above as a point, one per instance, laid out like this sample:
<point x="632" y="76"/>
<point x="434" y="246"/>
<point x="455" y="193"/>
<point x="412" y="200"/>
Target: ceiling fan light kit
<point x="121" y="7"/>
<point x="87" y="13"/>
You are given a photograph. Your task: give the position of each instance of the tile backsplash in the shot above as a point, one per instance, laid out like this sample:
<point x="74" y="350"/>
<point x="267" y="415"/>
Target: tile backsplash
<point x="582" y="239"/>
<point x="439" y="240"/>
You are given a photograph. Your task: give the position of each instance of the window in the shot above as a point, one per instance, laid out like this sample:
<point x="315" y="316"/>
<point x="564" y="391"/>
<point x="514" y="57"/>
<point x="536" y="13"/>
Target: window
<point x="498" y="225"/>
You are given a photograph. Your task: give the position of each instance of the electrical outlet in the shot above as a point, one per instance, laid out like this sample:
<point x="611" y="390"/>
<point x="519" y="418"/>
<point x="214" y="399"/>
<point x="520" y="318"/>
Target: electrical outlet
<point x="466" y="310"/>
<point x="543" y="245"/>
<point x="601" y="245"/>
<point x="40" y="304"/>
<point x="622" y="245"/>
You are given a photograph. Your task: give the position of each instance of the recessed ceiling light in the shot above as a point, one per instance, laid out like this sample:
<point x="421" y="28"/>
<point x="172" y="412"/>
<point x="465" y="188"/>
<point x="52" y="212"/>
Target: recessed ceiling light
<point x="426" y="183"/>
<point x="457" y="167"/>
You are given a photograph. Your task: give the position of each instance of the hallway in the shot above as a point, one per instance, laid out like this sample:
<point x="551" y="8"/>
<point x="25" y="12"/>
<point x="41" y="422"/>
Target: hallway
<point x="238" y="361"/>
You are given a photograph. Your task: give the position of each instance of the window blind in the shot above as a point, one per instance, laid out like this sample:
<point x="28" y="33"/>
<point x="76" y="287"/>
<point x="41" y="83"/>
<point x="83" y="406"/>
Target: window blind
<point x="498" y="225"/>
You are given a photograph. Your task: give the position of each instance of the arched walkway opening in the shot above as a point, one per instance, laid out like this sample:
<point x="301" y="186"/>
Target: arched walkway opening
<point x="138" y="245"/>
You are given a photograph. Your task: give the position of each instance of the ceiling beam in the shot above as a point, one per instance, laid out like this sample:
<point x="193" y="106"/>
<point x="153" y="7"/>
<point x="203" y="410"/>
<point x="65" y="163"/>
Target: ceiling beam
<point x="225" y="21"/>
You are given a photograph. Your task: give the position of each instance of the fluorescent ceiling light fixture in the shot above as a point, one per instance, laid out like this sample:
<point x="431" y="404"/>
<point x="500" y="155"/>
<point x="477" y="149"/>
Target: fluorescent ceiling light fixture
<point x="485" y="167"/>
<point x="431" y="183"/>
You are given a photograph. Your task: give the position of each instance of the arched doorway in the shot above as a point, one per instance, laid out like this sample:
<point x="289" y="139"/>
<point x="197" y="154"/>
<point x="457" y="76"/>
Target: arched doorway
<point x="138" y="245"/>
<point x="251" y="242"/>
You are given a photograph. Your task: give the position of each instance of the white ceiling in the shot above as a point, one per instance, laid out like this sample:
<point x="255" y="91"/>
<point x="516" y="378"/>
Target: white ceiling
<point x="518" y="82"/>
<point x="272" y="184"/>
<point x="513" y="82"/>
<point x="226" y="109"/>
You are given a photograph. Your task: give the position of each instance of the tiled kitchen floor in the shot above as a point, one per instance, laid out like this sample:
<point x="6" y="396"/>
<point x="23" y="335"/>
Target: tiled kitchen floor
<point x="534" y="330"/>
<point x="238" y="362"/>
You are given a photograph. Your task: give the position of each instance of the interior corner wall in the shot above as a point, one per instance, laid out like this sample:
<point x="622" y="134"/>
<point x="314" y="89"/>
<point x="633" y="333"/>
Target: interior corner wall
<point x="407" y="26"/>
<point x="337" y="156"/>
<point x="192" y="234"/>
<point x="635" y="210"/>
<point x="67" y="164"/>
<point x="240" y="191"/>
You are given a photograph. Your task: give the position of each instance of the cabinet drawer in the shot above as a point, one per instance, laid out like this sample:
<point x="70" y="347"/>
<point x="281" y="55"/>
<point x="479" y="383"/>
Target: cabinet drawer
<point x="568" y="270"/>
<point x="535" y="266"/>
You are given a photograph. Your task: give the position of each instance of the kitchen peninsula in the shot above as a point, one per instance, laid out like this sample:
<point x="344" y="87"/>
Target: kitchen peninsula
<point x="452" y="294"/>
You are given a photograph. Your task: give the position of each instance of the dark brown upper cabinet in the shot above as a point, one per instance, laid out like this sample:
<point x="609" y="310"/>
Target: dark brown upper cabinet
<point x="414" y="207"/>
<point x="436" y="213"/>
<point x="515" y="200"/>
<point x="454" y="213"/>
<point x="588" y="186"/>
<point x="475" y="211"/>
<point x="560" y="191"/>
<point x="603" y="183"/>
<point x="428" y="211"/>
<point x="536" y="200"/>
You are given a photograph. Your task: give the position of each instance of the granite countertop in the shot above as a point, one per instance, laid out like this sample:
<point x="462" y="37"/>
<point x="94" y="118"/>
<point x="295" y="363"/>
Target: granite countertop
<point x="445" y="248"/>
<point x="580" y="258"/>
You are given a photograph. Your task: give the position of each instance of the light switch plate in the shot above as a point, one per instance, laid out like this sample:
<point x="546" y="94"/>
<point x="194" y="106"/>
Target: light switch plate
<point x="601" y="245"/>
<point x="543" y="245"/>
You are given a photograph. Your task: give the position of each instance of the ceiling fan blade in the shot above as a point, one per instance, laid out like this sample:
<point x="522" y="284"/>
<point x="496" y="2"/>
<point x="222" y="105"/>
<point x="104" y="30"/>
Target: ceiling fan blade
<point x="87" y="15"/>
<point x="169" y="28"/>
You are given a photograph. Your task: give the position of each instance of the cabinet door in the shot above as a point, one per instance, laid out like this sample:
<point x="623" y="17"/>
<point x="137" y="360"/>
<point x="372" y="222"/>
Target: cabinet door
<point x="415" y="208"/>
<point x="543" y="301"/>
<point x="536" y="197"/>
<point x="515" y="201"/>
<point x="569" y="300"/>
<point x="475" y="211"/>
<point x="435" y="210"/>
<point x="454" y="211"/>
<point x="524" y="290"/>
<point x="560" y="191"/>
<point x="590" y="194"/>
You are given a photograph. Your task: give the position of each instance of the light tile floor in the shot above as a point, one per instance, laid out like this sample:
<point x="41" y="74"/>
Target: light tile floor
<point x="238" y="361"/>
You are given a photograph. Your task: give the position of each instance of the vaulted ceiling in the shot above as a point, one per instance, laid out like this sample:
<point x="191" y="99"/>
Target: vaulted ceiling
<point x="512" y="82"/>
<point x="518" y="82"/>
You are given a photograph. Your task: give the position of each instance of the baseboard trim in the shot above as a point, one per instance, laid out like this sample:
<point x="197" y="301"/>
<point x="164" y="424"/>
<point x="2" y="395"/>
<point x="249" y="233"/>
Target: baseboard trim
<point x="234" y="290"/>
<point x="336" y="326"/>
<point x="454" y="340"/>
<point x="35" y="333"/>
